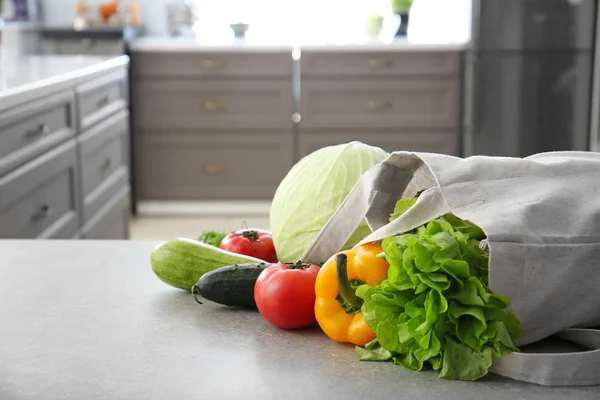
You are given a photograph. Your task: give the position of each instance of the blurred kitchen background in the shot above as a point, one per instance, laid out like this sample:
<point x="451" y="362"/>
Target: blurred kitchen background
<point x="151" y="119"/>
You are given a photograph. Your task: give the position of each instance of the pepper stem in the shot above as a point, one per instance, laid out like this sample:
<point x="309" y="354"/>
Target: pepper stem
<point x="346" y="291"/>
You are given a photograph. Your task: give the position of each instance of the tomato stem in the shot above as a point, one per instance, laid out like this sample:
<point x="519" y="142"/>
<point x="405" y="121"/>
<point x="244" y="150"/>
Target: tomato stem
<point x="250" y="235"/>
<point x="344" y="287"/>
<point x="298" y="265"/>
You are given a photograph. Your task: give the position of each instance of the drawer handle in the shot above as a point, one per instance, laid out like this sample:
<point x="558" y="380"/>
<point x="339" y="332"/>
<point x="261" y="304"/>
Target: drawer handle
<point x="42" y="129"/>
<point x="41" y="213"/>
<point x="214" y="169"/>
<point x="213" y="106"/>
<point x="378" y="105"/>
<point x="103" y="102"/>
<point x="87" y="43"/>
<point x="212" y="64"/>
<point x="379" y="63"/>
<point x="106" y="164"/>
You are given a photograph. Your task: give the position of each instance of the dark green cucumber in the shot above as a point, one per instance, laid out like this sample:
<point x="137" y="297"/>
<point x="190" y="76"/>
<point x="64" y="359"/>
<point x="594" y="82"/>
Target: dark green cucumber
<point x="232" y="285"/>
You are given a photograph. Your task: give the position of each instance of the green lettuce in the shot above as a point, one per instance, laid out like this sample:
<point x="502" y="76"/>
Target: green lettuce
<point x="213" y="238"/>
<point x="435" y="309"/>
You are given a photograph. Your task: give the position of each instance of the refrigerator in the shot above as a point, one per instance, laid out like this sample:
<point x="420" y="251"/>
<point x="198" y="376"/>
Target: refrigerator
<point x="529" y="77"/>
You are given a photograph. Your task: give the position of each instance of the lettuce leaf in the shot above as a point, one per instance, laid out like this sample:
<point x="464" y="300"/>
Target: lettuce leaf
<point x="435" y="309"/>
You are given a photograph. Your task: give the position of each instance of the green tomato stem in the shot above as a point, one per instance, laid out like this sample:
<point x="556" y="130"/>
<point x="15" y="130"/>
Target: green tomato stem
<point x="346" y="291"/>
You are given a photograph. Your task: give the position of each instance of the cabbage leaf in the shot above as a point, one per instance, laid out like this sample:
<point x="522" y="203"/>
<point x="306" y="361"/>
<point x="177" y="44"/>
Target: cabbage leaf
<point x="313" y="190"/>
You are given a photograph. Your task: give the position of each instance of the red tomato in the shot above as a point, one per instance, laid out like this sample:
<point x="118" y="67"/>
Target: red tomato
<point x="251" y="242"/>
<point x="285" y="295"/>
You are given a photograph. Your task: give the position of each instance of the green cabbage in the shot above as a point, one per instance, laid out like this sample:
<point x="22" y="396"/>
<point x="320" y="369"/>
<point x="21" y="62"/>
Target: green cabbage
<point x="311" y="192"/>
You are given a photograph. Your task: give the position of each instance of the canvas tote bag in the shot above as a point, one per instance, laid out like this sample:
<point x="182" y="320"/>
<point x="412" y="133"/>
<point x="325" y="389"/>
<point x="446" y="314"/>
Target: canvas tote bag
<point x="541" y="215"/>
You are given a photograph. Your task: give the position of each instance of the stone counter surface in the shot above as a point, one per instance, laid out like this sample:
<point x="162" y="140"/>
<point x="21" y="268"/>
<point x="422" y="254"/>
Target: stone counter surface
<point x="29" y="77"/>
<point x="90" y="320"/>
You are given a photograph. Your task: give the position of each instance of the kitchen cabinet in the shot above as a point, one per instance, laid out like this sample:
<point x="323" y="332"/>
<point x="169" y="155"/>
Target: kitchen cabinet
<point x="40" y="199"/>
<point x="397" y="100"/>
<point x="212" y="124"/>
<point x="64" y="157"/>
<point x="228" y="122"/>
<point x="100" y="40"/>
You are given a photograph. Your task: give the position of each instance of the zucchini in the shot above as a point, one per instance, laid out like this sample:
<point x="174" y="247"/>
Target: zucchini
<point x="181" y="262"/>
<point x="232" y="285"/>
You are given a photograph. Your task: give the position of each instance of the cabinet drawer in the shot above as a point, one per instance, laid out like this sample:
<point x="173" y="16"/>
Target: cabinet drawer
<point x="390" y="141"/>
<point x="112" y="220"/>
<point x="182" y="104"/>
<point x="84" y="46"/>
<point x="228" y="166"/>
<point x="388" y="63"/>
<point x="39" y="199"/>
<point x="401" y="103"/>
<point x="101" y="98"/>
<point x="29" y="130"/>
<point x="104" y="162"/>
<point x="214" y="63"/>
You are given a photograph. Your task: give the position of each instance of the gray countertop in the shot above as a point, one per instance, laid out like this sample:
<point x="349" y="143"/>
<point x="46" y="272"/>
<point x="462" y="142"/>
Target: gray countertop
<point x="26" y="77"/>
<point x="89" y="320"/>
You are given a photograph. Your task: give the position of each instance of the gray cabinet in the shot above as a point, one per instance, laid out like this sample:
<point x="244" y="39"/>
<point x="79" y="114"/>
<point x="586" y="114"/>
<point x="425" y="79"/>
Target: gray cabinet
<point x="112" y="220"/>
<point x="242" y="63"/>
<point x="64" y="165"/>
<point x="433" y="142"/>
<point x="32" y="129"/>
<point x="39" y="199"/>
<point x="373" y="103"/>
<point x="102" y="97"/>
<point x="93" y="40"/>
<point x="212" y="125"/>
<point x="104" y="157"/>
<point x="380" y="63"/>
<point x="406" y="100"/>
<point x="182" y="105"/>
<point x="212" y="165"/>
<point x="82" y="46"/>
<point x="216" y="123"/>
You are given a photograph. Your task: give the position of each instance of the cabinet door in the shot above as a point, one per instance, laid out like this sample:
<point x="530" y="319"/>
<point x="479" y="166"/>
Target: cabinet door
<point x="401" y="103"/>
<point x="30" y="129"/>
<point x="112" y="221"/>
<point x="211" y="166"/>
<point x="183" y="104"/>
<point x="199" y="64"/>
<point x="430" y="142"/>
<point x="101" y="97"/>
<point x="84" y="46"/>
<point x="40" y="198"/>
<point x="104" y="154"/>
<point x="363" y="62"/>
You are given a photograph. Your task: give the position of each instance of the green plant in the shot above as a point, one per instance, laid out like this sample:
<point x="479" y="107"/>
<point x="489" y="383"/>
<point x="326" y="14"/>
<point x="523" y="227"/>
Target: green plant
<point x="401" y="6"/>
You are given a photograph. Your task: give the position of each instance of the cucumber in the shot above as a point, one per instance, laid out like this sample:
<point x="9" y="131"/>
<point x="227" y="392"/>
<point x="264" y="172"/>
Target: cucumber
<point x="232" y="285"/>
<point x="181" y="262"/>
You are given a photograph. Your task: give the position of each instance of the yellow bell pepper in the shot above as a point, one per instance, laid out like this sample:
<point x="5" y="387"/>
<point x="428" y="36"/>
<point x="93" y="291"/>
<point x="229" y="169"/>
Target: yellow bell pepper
<point x="337" y="308"/>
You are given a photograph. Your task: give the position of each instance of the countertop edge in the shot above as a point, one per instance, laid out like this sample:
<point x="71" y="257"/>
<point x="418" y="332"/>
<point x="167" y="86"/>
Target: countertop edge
<point x="183" y="45"/>
<point x="12" y="97"/>
<point x="199" y="47"/>
<point x="386" y="47"/>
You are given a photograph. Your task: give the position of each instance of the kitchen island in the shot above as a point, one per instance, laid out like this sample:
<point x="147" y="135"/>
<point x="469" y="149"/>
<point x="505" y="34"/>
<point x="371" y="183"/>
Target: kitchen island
<point x="64" y="147"/>
<point x="90" y="320"/>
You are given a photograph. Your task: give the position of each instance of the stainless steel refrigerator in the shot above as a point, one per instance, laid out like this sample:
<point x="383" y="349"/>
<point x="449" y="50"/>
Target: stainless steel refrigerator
<point x="529" y="77"/>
